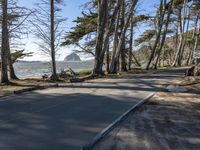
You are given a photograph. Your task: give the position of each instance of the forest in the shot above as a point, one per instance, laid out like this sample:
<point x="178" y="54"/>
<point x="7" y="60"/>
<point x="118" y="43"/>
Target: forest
<point x="106" y="30"/>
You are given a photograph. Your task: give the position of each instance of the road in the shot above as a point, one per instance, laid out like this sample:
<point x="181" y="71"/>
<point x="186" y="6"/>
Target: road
<point x="69" y="117"/>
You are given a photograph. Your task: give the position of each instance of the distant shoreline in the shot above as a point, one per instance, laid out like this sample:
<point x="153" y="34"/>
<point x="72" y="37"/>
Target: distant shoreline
<point x="22" y="61"/>
<point x="26" y="69"/>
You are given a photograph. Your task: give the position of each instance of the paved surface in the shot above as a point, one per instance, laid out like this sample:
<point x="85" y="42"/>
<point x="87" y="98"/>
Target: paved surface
<point x="69" y="117"/>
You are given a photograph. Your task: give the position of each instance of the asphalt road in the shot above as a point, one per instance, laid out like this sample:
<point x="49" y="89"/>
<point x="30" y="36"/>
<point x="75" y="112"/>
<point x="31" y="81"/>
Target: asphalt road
<point x="69" y="117"/>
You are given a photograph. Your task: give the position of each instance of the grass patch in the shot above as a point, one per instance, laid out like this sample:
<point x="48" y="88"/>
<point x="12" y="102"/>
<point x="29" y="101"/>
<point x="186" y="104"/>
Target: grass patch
<point x="197" y="85"/>
<point x="7" y="87"/>
<point x="139" y="70"/>
<point x="191" y="81"/>
<point x="16" y="85"/>
<point x="84" y="73"/>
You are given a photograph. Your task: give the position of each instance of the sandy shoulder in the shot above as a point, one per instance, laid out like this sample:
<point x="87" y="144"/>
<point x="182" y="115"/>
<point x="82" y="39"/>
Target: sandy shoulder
<point x="169" y="121"/>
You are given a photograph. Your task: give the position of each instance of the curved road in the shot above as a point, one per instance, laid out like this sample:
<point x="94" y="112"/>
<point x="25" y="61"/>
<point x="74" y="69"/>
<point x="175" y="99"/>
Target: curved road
<point x="69" y="117"/>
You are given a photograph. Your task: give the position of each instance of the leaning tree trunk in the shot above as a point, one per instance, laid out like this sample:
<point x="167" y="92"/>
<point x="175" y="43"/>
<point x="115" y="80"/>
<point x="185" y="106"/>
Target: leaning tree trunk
<point x="10" y="64"/>
<point x="158" y="33"/>
<point x="108" y="30"/>
<point x="193" y="48"/>
<point x="53" y="54"/>
<point x="186" y="33"/>
<point x="164" y="35"/>
<point x="4" y="45"/>
<point x="178" y="56"/>
<point x="122" y="37"/>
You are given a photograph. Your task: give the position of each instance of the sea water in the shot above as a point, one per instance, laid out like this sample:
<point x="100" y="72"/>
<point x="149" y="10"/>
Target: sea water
<point x="37" y="69"/>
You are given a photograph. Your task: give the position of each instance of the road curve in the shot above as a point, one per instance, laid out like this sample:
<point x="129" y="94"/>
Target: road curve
<point x="69" y="117"/>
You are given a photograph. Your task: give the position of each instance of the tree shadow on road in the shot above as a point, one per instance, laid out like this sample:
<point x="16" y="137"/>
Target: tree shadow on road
<point x="57" y="121"/>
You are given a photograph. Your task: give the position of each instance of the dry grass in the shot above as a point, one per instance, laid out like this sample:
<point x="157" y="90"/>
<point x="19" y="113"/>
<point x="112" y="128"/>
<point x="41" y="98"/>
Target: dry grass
<point x="16" y="85"/>
<point x="191" y="81"/>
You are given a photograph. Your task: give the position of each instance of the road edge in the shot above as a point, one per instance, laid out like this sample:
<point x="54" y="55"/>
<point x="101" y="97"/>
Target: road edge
<point x="110" y="127"/>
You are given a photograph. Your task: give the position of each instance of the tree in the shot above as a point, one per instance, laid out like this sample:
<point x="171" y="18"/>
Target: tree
<point x="5" y="42"/>
<point x="83" y="34"/>
<point x="101" y="24"/>
<point x="162" y="42"/>
<point x="116" y="53"/>
<point x="48" y="28"/>
<point x="19" y="54"/>
<point x="17" y="17"/>
<point x="17" y="24"/>
<point x="159" y="21"/>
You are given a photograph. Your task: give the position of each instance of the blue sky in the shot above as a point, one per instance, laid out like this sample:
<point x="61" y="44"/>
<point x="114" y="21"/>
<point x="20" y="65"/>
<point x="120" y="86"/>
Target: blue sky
<point x="71" y="10"/>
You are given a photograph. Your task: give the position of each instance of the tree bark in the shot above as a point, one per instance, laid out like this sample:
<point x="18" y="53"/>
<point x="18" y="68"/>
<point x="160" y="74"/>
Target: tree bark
<point x="122" y="37"/>
<point x="107" y="58"/>
<point x="115" y="44"/>
<point x="158" y="33"/>
<point x="53" y="59"/>
<point x="196" y="44"/>
<point x="108" y="29"/>
<point x="186" y="33"/>
<point x="123" y="50"/>
<point x="164" y="34"/>
<point x="10" y="64"/>
<point x="101" y="24"/>
<point x="178" y="56"/>
<point x="4" y="45"/>
<point x="130" y="54"/>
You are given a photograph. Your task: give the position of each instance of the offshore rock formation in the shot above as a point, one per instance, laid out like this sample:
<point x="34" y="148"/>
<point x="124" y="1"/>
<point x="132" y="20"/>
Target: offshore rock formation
<point x="72" y="57"/>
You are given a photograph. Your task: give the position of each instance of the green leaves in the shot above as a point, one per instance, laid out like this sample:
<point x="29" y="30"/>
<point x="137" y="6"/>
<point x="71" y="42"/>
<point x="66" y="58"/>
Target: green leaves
<point x="145" y="37"/>
<point x="19" y="54"/>
<point x="84" y="26"/>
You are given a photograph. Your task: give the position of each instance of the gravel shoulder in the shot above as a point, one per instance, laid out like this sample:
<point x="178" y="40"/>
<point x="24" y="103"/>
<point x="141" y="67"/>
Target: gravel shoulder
<point x="168" y="121"/>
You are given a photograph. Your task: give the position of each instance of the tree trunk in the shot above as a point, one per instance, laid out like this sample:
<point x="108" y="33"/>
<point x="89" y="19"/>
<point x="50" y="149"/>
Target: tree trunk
<point x="122" y="36"/>
<point x="53" y="54"/>
<point x="196" y="36"/>
<point x="186" y="33"/>
<point x="130" y="54"/>
<point x="101" y="24"/>
<point x="196" y="44"/>
<point x="178" y="56"/>
<point x="107" y="58"/>
<point x="115" y="44"/>
<point x="4" y="45"/>
<point x="164" y="35"/>
<point x="123" y="50"/>
<point x="193" y="48"/>
<point x="189" y="56"/>
<point x="108" y="30"/>
<point x="158" y="33"/>
<point x="10" y="64"/>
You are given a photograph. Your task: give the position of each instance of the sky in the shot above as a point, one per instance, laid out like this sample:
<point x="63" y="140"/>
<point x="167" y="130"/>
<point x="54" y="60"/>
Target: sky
<point x="71" y="10"/>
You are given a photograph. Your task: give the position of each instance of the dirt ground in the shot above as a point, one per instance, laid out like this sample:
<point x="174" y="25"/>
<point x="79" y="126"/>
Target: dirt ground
<point x="169" y="121"/>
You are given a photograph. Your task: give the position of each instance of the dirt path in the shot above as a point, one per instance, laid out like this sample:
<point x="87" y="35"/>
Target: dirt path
<point x="170" y="121"/>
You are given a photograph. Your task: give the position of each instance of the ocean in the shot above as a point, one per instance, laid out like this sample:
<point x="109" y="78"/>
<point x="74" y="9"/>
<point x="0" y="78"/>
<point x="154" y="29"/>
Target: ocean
<point x="37" y="69"/>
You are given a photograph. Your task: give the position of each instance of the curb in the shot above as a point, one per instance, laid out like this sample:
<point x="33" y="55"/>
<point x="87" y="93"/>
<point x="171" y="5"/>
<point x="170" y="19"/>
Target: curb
<point x="107" y="130"/>
<point x="33" y="88"/>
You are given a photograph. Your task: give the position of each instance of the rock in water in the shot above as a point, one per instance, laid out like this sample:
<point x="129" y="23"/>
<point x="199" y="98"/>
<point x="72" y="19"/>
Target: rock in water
<point x="72" y="57"/>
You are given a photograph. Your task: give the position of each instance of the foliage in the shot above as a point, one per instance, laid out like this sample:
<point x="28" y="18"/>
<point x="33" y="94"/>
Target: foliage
<point x="19" y="54"/>
<point x="84" y="26"/>
<point x="145" y="37"/>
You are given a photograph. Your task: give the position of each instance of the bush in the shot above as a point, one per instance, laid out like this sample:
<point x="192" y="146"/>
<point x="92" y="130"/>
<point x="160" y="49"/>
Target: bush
<point x="85" y="72"/>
